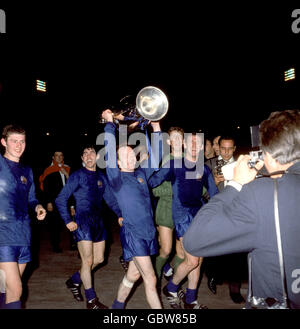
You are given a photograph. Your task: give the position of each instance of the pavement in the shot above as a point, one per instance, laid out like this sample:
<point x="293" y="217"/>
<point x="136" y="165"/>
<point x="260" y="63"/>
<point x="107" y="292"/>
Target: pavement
<point x="45" y="276"/>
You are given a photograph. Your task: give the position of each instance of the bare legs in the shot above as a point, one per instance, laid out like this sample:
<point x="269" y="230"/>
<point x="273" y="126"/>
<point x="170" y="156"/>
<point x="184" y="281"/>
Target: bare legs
<point x="141" y="266"/>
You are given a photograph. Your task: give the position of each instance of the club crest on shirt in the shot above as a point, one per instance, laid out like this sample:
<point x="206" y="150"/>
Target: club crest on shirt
<point x="140" y="180"/>
<point x="23" y="179"/>
<point x="99" y="183"/>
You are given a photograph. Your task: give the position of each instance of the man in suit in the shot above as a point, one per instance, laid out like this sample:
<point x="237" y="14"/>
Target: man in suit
<point x="51" y="182"/>
<point x="229" y="267"/>
<point x="241" y="217"/>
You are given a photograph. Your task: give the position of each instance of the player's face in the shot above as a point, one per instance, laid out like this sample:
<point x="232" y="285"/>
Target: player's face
<point x="58" y="157"/>
<point x="227" y="149"/>
<point x="14" y="146"/>
<point x="176" y="141"/>
<point x="127" y="158"/>
<point x="193" y="146"/>
<point x="89" y="158"/>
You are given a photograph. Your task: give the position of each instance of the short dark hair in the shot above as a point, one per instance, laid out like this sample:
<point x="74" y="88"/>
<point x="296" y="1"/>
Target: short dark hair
<point x="87" y="146"/>
<point x="12" y="129"/>
<point x="226" y="137"/>
<point x="58" y="150"/>
<point x="208" y="138"/>
<point x="178" y="129"/>
<point x="280" y="136"/>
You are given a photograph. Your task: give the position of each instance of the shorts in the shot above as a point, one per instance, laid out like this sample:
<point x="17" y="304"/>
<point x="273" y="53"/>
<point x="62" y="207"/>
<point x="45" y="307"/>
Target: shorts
<point x="15" y="254"/>
<point x="163" y="214"/>
<point x="90" y="228"/>
<point x="182" y="226"/>
<point x="133" y="246"/>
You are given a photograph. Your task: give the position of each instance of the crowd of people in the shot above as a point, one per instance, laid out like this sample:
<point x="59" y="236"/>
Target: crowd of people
<point x="163" y="201"/>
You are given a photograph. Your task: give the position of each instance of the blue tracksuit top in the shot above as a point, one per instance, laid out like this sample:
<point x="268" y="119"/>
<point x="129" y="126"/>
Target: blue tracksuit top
<point x="17" y="196"/>
<point x="88" y="188"/>
<point x="131" y="189"/>
<point x="187" y="193"/>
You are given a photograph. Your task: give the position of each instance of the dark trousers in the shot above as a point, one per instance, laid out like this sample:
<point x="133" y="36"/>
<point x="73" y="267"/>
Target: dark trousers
<point x="232" y="268"/>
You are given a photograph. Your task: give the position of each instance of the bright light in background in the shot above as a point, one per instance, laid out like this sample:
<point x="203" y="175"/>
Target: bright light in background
<point x="48" y="134"/>
<point x="289" y="74"/>
<point x="41" y="86"/>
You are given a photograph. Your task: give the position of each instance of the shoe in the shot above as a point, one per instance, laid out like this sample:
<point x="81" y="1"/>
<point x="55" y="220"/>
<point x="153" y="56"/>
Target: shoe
<point x="181" y="294"/>
<point x="195" y="306"/>
<point x="124" y="263"/>
<point x="75" y="290"/>
<point x="94" y="304"/>
<point x="212" y="285"/>
<point x="172" y="298"/>
<point x="237" y="297"/>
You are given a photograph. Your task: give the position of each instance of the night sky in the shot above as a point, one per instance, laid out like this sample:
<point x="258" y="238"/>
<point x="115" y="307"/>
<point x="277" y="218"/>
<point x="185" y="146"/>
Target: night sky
<point x="220" y="67"/>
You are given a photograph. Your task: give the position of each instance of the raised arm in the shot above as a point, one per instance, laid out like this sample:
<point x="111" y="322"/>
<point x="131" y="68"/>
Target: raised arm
<point x="112" y="170"/>
<point x="154" y="149"/>
<point x="165" y="173"/>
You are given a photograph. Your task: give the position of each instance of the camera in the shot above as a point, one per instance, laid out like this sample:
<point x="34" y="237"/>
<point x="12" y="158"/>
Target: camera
<point x="218" y="167"/>
<point x="255" y="157"/>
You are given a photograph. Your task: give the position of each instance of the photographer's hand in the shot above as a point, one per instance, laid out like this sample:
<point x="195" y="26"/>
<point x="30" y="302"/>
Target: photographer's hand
<point x="242" y="173"/>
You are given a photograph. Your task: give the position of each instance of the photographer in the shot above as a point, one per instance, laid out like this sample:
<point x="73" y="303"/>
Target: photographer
<point x="241" y="217"/>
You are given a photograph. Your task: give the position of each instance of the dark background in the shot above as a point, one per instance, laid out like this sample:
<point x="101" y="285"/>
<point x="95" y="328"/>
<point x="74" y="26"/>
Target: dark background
<point x="220" y="66"/>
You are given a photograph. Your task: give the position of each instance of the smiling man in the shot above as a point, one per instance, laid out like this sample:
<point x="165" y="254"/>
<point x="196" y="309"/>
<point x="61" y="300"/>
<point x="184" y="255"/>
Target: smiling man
<point x="88" y="186"/>
<point x="187" y="179"/>
<point x="17" y="197"/>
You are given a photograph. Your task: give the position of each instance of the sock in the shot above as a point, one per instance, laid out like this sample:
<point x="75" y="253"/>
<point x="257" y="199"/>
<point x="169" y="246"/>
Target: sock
<point x="13" y="305"/>
<point x="2" y="299"/>
<point x="167" y="267"/>
<point x="177" y="262"/>
<point x="90" y="294"/>
<point x="172" y="287"/>
<point x="76" y="278"/>
<point x="118" y="305"/>
<point x="159" y="264"/>
<point x="190" y="295"/>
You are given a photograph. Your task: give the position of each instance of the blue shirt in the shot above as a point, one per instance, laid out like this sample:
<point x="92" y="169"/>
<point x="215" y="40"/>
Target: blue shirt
<point x="17" y="196"/>
<point x="88" y="188"/>
<point x="187" y="193"/>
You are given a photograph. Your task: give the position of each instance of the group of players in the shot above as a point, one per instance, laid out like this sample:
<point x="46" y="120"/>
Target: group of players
<point x="126" y="188"/>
